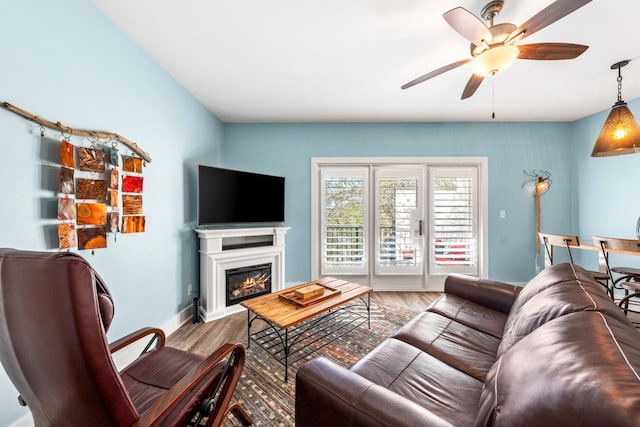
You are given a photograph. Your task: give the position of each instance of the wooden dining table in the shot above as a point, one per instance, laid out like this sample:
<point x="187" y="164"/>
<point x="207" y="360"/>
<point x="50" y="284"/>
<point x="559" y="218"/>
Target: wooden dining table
<point x="586" y="243"/>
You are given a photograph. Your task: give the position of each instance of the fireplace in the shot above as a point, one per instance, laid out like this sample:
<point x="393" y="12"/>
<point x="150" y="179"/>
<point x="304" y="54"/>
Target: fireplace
<point x="247" y="282"/>
<point x="228" y="249"/>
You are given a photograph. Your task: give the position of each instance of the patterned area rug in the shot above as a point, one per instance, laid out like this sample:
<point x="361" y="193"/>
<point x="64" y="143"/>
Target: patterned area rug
<point x="271" y="402"/>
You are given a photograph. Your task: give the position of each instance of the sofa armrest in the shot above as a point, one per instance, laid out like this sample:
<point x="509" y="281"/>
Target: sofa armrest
<point x="498" y="296"/>
<point x="328" y="395"/>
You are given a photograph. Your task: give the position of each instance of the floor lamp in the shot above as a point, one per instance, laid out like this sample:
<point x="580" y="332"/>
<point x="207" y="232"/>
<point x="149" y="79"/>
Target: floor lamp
<point x="542" y="180"/>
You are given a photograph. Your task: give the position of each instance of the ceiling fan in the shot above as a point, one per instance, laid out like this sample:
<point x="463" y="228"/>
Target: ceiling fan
<point x="493" y="48"/>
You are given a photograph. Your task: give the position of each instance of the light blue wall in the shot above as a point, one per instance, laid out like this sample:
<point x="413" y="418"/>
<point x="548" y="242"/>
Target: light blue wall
<point x="64" y="61"/>
<point x="287" y="149"/>
<point x="607" y="196"/>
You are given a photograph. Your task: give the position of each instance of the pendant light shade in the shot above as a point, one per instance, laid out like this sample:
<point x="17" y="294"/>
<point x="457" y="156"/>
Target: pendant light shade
<point x="620" y="133"/>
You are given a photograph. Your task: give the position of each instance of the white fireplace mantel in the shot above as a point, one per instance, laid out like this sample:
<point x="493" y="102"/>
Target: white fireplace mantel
<point x="223" y="249"/>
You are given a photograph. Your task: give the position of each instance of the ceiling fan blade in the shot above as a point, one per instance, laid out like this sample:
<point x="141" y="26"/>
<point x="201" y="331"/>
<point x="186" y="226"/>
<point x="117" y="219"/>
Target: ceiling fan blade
<point x="435" y="73"/>
<point x="547" y="16"/>
<point x="468" y="25"/>
<point x="472" y="86"/>
<point x="550" y="51"/>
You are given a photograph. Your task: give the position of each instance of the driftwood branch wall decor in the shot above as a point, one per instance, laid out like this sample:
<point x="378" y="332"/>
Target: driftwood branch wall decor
<point x="79" y="132"/>
<point x="90" y="198"/>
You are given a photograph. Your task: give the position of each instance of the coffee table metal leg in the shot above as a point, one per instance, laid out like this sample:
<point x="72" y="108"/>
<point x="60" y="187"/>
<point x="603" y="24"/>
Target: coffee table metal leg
<point x="283" y="340"/>
<point x="286" y="355"/>
<point x="369" y="310"/>
<point x="248" y="329"/>
<point x="249" y="323"/>
<point x="367" y="304"/>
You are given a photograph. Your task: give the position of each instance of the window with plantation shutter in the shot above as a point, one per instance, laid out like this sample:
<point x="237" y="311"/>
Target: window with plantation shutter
<point x="454" y="220"/>
<point x="343" y="218"/>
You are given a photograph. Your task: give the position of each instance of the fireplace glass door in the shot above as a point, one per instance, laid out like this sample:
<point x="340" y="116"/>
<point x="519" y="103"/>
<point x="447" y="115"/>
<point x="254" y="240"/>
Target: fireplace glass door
<point x="247" y="282"/>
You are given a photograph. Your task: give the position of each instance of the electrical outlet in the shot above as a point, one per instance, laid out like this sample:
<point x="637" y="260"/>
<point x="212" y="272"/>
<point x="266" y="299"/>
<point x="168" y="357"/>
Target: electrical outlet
<point x="503" y="213"/>
<point x="189" y="289"/>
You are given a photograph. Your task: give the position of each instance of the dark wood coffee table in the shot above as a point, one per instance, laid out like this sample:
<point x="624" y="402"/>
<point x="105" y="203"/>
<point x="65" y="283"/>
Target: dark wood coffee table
<point x="296" y="328"/>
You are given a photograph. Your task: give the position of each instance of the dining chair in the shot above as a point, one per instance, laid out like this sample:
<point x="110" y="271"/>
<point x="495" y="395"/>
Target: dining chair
<point x="550" y="240"/>
<point x="627" y="278"/>
<point x="55" y="311"/>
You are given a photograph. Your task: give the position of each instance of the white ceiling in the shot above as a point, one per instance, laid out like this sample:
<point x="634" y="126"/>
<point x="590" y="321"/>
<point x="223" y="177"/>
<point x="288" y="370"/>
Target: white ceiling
<point x="344" y="60"/>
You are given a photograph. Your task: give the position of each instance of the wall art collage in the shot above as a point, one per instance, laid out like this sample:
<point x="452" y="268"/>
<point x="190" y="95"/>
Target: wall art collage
<point x="97" y="196"/>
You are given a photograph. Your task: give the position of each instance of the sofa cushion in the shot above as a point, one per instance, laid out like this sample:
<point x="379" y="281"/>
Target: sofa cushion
<point x="547" y="278"/>
<point x="469" y="313"/>
<point x="464" y="348"/>
<point x="542" y="301"/>
<point x="559" y="375"/>
<point x="492" y="294"/>
<point x="328" y="394"/>
<point x="415" y="375"/>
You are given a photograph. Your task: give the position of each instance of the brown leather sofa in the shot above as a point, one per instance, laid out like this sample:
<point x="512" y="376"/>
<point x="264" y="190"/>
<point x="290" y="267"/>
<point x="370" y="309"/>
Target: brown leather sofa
<point x="557" y="352"/>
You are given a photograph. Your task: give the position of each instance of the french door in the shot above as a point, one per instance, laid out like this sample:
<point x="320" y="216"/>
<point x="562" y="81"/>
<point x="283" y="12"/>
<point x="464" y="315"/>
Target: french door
<point x="397" y="226"/>
<point x="398" y="220"/>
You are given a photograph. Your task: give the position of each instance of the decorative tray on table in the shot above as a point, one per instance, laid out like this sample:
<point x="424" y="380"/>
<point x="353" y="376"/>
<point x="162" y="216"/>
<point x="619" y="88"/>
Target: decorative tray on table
<point x="310" y="294"/>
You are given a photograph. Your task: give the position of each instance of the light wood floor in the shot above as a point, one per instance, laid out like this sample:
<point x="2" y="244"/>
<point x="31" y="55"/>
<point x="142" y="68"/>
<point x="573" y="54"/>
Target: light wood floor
<point x="203" y="337"/>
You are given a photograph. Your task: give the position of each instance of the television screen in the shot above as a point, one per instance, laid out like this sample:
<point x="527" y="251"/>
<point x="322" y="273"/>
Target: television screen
<point x="230" y="196"/>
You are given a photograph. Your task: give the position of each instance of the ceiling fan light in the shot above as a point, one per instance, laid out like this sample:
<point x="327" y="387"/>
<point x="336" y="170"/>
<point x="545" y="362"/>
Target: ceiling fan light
<point x="620" y="133"/>
<point x="495" y="59"/>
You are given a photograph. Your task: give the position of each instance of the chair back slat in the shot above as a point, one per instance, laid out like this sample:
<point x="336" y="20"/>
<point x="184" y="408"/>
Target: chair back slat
<point x="630" y="245"/>
<point x="558" y="240"/>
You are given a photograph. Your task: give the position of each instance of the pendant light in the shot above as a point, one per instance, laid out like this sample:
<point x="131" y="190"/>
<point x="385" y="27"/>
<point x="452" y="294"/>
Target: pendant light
<point x="620" y="133"/>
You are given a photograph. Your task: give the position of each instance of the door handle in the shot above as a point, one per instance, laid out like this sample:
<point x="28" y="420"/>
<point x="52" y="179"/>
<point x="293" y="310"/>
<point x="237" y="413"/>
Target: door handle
<point x="420" y="227"/>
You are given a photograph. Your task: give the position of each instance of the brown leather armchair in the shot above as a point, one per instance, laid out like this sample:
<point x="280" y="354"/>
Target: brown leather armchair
<point x="55" y="311"/>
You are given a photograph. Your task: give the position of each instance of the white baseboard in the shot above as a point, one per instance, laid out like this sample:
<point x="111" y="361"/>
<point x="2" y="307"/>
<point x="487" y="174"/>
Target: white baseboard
<point x="26" y="421"/>
<point x="178" y="320"/>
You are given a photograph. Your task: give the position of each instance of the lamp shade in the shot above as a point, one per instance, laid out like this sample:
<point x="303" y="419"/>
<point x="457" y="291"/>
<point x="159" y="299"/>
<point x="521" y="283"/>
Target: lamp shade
<point x="620" y="133"/>
<point x="495" y="59"/>
<point x="541" y="186"/>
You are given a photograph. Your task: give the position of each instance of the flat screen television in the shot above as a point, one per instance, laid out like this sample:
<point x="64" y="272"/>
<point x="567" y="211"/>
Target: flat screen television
<point x="230" y="196"/>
